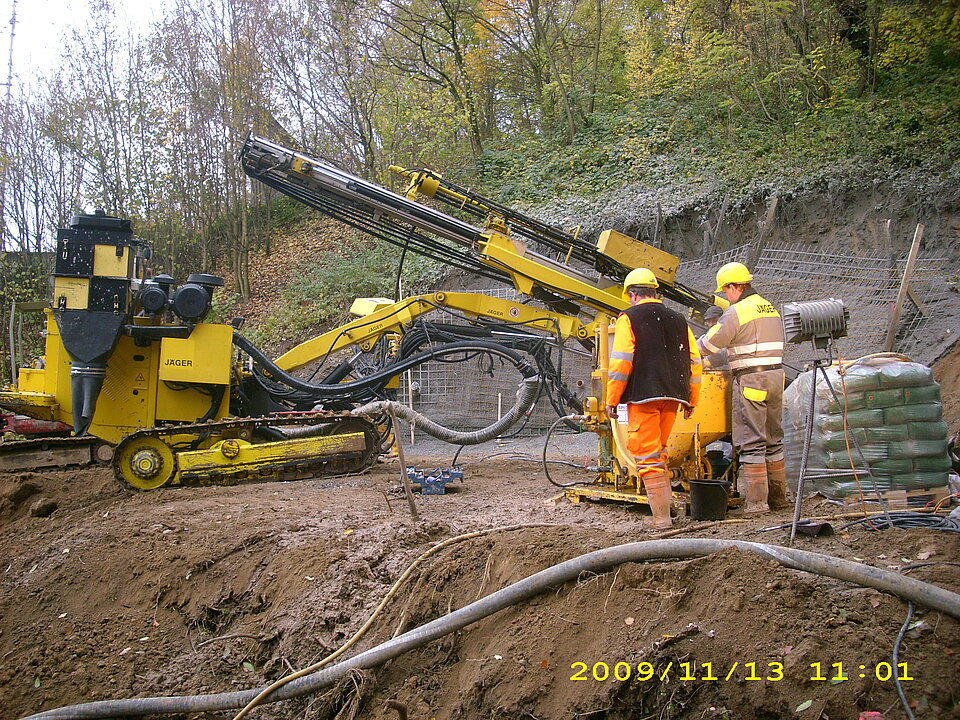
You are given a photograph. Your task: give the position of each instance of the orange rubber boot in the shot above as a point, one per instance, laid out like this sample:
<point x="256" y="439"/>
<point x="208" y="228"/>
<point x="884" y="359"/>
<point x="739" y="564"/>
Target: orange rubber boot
<point x="777" y="485"/>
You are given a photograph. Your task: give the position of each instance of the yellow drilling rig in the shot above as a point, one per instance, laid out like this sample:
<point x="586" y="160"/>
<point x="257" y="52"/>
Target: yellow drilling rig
<point x="132" y="365"/>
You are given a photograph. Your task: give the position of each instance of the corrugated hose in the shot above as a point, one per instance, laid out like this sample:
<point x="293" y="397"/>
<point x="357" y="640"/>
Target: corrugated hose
<point x="600" y="560"/>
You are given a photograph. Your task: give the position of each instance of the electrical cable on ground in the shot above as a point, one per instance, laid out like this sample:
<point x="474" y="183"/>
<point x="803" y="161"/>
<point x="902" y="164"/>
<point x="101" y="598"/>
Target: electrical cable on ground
<point x="897" y="584"/>
<point x="546" y="444"/>
<point x="839" y="516"/>
<point x="521" y="457"/>
<point x="906" y="519"/>
<point x="896" y="659"/>
<point x="903" y="631"/>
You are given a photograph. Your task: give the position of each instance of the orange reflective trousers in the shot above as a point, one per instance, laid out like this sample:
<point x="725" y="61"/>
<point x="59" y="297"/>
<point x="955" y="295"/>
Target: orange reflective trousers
<point x="648" y="429"/>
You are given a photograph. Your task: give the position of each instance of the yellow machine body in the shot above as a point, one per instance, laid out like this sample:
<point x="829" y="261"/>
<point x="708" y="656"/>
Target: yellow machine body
<point x="708" y="423"/>
<point x="172" y="383"/>
<point x="686" y="456"/>
<point x="166" y="381"/>
<point x="636" y="254"/>
<point x="129" y="362"/>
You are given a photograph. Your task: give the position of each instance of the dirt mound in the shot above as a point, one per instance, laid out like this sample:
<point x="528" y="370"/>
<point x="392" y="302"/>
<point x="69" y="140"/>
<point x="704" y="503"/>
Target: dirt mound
<point x="202" y="590"/>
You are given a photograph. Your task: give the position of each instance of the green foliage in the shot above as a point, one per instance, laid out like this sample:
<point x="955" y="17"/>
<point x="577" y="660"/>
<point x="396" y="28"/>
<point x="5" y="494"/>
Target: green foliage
<point x="222" y="307"/>
<point x="23" y="278"/>
<point x="279" y="213"/>
<point x="321" y="296"/>
<point x="917" y="35"/>
<point x="677" y="137"/>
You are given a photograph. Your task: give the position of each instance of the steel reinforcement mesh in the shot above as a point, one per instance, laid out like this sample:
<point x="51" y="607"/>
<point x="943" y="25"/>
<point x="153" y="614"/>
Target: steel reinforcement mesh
<point x="471" y="395"/>
<point x="868" y="286"/>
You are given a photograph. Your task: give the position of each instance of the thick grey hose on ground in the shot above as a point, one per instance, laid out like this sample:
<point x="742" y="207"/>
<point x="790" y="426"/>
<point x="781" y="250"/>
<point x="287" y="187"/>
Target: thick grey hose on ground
<point x="905" y="587"/>
<point x="526" y="396"/>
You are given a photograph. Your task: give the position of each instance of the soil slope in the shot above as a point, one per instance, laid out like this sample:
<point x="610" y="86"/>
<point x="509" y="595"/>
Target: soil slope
<point x="108" y="594"/>
<point x="190" y="591"/>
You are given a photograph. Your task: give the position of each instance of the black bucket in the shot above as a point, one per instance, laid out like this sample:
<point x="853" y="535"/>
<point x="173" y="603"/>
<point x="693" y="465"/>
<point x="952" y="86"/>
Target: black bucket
<point x="708" y="499"/>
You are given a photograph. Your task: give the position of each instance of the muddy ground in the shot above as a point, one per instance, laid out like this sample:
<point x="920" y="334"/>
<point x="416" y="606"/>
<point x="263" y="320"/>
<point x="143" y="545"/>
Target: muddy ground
<point x="111" y="594"/>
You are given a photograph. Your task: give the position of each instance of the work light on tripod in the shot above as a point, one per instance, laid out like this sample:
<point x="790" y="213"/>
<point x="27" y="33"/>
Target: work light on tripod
<point x="819" y="321"/>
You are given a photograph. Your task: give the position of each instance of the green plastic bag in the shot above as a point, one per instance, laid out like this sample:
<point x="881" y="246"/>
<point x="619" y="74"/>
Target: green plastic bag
<point x="927" y="412"/>
<point x="917" y="448"/>
<point x="936" y="464"/>
<point x="893" y="413"/>
<point x="905" y="374"/>
<point x="921" y="394"/>
<point x="855" y="419"/>
<point x="924" y="430"/>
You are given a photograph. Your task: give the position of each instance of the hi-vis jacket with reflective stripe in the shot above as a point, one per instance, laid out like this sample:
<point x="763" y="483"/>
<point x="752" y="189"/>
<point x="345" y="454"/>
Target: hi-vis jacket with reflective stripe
<point x="654" y="357"/>
<point x="750" y="330"/>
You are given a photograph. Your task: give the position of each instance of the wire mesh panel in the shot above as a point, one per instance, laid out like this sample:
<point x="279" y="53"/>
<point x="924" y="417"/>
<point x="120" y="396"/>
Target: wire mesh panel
<point x="475" y="393"/>
<point x="868" y="286"/>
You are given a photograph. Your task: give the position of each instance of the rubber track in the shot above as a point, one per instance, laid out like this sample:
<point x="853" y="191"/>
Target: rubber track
<point x="13" y="447"/>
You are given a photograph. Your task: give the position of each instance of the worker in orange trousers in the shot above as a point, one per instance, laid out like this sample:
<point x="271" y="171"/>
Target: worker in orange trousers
<point x="655" y="370"/>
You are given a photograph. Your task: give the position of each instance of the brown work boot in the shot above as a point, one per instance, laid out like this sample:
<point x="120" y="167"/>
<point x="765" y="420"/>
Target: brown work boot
<point x="657" y="487"/>
<point x="754" y="476"/>
<point x="777" y="485"/>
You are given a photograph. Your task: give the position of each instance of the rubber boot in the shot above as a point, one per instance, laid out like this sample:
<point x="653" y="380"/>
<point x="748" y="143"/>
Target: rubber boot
<point x="755" y="478"/>
<point x="657" y="487"/>
<point x="777" y="485"/>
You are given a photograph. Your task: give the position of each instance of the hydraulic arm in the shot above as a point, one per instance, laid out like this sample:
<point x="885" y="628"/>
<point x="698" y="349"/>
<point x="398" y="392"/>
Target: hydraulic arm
<point x="584" y="278"/>
<point x="568" y="246"/>
<point x="578" y="282"/>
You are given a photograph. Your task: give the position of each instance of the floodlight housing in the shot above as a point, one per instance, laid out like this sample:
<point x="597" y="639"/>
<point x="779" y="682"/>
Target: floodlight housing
<point x="817" y="320"/>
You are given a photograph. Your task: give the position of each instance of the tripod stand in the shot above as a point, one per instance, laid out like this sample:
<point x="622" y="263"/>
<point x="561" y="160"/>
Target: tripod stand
<point x="820" y="366"/>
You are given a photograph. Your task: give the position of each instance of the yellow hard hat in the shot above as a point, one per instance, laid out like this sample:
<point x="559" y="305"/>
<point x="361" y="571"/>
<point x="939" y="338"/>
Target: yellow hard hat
<point x="642" y="277"/>
<point x="733" y="272"/>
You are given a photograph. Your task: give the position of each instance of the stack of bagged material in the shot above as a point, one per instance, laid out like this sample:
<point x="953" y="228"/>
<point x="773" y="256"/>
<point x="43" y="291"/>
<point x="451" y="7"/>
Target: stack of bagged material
<point x="892" y="408"/>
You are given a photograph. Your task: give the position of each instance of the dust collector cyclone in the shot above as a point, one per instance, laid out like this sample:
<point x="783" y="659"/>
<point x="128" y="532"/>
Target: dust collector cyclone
<point x="94" y="266"/>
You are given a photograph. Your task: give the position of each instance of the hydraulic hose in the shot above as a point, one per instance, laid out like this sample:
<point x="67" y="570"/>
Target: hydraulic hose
<point x="894" y="583"/>
<point x="365" y="386"/>
<point x="526" y="397"/>
<point x="546" y="444"/>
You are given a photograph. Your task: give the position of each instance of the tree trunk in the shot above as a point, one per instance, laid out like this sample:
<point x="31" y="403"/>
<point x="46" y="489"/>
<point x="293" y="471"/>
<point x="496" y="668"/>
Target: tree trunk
<point x="243" y="261"/>
<point x="594" y="71"/>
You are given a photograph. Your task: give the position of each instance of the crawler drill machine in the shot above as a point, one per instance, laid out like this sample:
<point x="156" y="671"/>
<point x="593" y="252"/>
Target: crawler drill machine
<point x="570" y="290"/>
<point x="132" y="362"/>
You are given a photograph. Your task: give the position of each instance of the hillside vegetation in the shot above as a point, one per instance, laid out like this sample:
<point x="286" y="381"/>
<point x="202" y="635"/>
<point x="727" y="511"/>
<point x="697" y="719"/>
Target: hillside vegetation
<point x="535" y="104"/>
